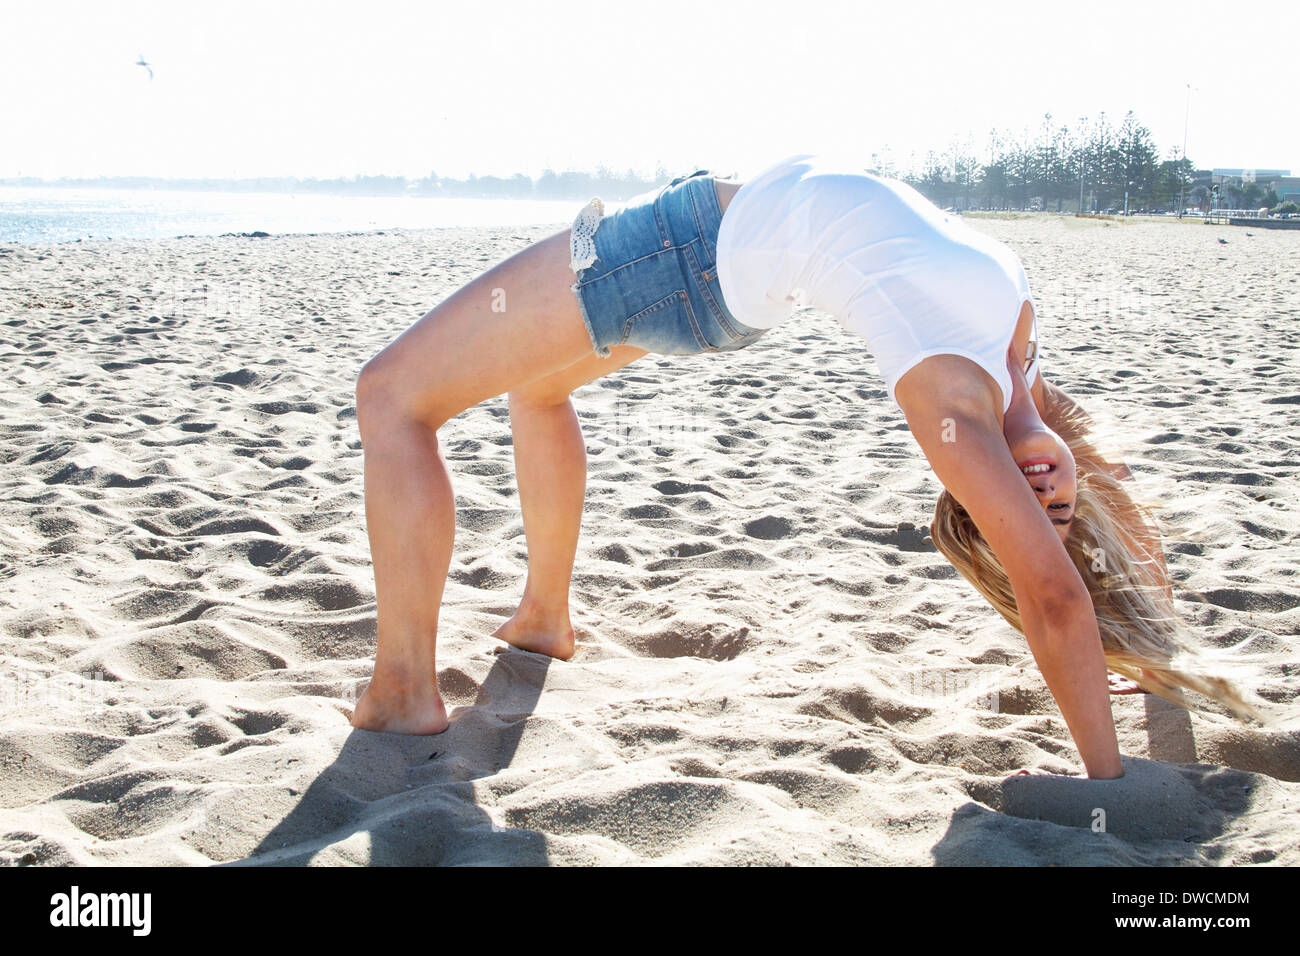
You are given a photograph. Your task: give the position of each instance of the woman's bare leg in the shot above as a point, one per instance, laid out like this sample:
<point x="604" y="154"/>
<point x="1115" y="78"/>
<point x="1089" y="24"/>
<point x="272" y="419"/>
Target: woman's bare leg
<point x="517" y="322"/>
<point x="551" y="471"/>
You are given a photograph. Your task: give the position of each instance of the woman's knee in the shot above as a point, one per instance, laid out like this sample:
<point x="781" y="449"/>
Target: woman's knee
<point x="369" y="403"/>
<point x="381" y="397"/>
<point x="538" y="395"/>
<point x="555" y="389"/>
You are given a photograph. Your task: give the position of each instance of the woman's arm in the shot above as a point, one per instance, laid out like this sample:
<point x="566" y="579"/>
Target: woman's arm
<point x="964" y="443"/>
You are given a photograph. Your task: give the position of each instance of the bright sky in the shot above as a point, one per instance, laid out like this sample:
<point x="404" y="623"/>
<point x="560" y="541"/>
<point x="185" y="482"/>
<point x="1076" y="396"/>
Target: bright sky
<point x="498" y="86"/>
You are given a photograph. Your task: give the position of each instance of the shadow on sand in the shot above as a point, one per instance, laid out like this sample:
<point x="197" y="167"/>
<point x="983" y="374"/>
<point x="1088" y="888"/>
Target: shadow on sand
<point x="397" y="800"/>
<point x="1163" y="810"/>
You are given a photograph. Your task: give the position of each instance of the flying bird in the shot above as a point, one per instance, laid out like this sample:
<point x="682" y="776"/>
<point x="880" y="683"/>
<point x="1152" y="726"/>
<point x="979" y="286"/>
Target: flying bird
<point x="147" y="66"/>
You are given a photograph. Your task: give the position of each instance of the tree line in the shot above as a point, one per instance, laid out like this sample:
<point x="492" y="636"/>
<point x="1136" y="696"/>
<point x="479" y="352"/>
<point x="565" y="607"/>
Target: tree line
<point x="1091" y="165"/>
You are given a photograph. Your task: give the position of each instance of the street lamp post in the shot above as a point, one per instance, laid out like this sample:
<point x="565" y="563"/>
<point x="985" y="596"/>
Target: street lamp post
<point x="1083" y="158"/>
<point x="1182" y="173"/>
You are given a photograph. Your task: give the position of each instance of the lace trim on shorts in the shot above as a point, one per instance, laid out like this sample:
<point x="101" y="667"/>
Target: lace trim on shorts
<point x="582" y="241"/>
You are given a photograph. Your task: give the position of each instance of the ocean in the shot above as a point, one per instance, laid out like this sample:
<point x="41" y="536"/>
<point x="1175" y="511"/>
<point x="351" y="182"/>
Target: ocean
<point x="56" y="214"/>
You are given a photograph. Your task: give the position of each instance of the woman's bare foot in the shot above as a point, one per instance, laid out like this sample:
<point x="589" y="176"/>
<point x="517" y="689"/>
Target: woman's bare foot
<point x="410" y="710"/>
<point x="536" y="629"/>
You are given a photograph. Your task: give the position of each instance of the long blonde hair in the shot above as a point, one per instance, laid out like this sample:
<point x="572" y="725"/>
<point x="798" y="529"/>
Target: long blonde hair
<point x="1115" y="545"/>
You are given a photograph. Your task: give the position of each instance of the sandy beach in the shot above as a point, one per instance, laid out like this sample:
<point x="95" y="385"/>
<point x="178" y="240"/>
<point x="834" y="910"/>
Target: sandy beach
<point x="775" y="666"/>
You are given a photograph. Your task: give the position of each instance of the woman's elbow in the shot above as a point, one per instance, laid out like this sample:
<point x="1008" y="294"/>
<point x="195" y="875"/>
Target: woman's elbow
<point x="1059" y="601"/>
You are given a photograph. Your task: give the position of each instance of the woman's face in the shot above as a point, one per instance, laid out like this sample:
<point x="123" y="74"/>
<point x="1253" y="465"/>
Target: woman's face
<point x="1045" y="461"/>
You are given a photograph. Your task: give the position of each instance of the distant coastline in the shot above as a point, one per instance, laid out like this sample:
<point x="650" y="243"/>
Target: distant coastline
<point x="550" y="185"/>
<point x="50" y="213"/>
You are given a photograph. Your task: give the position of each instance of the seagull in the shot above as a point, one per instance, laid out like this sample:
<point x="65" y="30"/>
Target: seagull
<point x="147" y="66"/>
<point x="1223" y="241"/>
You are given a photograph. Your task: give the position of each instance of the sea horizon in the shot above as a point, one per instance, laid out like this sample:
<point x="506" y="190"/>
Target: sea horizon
<point x="57" y="214"/>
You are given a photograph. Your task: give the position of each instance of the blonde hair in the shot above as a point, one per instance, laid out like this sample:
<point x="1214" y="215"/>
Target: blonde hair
<point x="1115" y="545"/>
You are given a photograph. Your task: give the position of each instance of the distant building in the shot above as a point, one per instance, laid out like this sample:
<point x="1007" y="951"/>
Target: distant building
<point x="1287" y="187"/>
<point x="1239" y="177"/>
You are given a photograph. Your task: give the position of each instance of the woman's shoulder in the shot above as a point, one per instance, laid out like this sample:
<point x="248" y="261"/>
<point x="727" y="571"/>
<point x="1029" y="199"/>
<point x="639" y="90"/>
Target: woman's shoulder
<point x="948" y="387"/>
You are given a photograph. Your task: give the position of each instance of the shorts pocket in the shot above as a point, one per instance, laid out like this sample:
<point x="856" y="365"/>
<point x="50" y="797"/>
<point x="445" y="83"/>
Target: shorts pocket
<point x="667" y="326"/>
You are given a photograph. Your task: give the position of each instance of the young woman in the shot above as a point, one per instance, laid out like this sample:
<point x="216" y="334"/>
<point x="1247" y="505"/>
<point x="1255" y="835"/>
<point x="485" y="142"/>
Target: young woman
<point x="1032" y="514"/>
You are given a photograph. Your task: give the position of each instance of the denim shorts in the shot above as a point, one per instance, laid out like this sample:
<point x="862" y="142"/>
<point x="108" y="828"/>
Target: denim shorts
<point x="654" y="282"/>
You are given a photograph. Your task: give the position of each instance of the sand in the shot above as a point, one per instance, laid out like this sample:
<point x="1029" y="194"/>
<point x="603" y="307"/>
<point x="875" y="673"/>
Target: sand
<point x="775" y="665"/>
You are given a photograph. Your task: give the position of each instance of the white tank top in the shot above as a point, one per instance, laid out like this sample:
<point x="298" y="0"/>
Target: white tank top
<point x="880" y="257"/>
